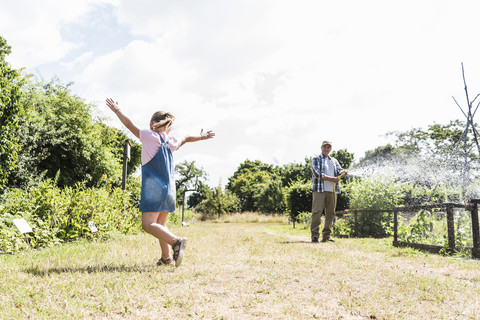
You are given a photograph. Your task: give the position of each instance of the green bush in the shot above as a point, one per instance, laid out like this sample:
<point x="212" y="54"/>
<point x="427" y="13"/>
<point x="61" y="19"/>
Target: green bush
<point x="270" y="197"/>
<point x="344" y="226"/>
<point x="299" y="199"/>
<point x="375" y="193"/>
<point x="217" y="203"/>
<point x="304" y="219"/>
<point x="62" y="214"/>
<point x="10" y="95"/>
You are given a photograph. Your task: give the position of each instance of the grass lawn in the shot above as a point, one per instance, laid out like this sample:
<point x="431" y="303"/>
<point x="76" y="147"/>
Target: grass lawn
<point x="238" y="270"/>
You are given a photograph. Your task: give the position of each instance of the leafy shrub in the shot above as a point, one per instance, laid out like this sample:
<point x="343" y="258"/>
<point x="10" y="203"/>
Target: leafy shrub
<point x="176" y="217"/>
<point x="217" y="203"/>
<point x="344" y="226"/>
<point x="375" y="193"/>
<point x="418" y="229"/>
<point x="299" y="198"/>
<point x="270" y="197"/>
<point x="62" y="214"/>
<point x="304" y="219"/>
<point x="10" y="107"/>
<point x="427" y="228"/>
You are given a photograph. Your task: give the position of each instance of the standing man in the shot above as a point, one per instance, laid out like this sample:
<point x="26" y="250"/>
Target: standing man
<point x="326" y="172"/>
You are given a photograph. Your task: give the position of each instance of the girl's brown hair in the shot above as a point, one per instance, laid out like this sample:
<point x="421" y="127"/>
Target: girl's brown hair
<point x="161" y="121"/>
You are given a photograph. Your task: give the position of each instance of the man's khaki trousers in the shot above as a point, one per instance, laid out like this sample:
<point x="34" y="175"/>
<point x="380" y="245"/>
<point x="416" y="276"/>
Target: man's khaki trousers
<point x="320" y="201"/>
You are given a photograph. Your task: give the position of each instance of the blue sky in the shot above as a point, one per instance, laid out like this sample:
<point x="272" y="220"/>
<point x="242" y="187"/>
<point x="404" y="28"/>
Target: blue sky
<point x="273" y="78"/>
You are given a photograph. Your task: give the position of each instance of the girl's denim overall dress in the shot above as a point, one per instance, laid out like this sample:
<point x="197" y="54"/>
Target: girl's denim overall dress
<point x="158" y="182"/>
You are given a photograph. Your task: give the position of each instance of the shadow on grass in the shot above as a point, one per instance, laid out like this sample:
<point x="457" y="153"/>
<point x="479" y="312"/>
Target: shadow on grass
<point x="91" y="269"/>
<point x="297" y="241"/>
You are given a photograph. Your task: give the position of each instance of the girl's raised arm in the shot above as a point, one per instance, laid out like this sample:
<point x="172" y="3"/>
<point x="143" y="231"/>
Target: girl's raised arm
<point x="203" y="136"/>
<point x="125" y="120"/>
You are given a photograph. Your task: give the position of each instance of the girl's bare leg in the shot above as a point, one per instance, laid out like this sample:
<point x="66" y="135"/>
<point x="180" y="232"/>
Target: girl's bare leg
<point x="162" y="220"/>
<point x="150" y="225"/>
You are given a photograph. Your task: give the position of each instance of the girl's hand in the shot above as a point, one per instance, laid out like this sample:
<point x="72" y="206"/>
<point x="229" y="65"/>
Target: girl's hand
<point x="207" y="135"/>
<point x="112" y="105"/>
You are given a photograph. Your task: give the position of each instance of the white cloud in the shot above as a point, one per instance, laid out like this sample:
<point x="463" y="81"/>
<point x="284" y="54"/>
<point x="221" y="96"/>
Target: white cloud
<point x="273" y="78"/>
<point x="32" y="29"/>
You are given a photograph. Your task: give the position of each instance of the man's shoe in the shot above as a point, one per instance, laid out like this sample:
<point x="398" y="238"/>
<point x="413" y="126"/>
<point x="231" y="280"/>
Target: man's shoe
<point x="315" y="239"/>
<point x="327" y="239"/>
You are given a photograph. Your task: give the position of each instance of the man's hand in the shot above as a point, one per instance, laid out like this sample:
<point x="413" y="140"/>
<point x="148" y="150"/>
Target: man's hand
<point x="332" y="179"/>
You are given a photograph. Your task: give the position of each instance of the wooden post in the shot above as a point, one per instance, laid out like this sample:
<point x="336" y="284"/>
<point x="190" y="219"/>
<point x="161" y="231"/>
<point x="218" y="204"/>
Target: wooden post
<point x="475" y="228"/>
<point x="355" y="226"/>
<point x="395" y="227"/>
<point x="450" y="228"/>
<point x="126" y="157"/>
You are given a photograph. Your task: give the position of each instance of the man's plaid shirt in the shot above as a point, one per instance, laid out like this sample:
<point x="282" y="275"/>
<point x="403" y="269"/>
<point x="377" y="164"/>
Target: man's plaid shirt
<point x="318" y="171"/>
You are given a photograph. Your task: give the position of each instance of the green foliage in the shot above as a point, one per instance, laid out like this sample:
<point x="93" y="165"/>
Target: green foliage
<point x="304" y="219"/>
<point x="419" y="228"/>
<point x="299" y="199"/>
<point x="246" y="180"/>
<point x="175" y="218"/>
<point x="379" y="154"/>
<point x="344" y="157"/>
<point x="10" y="93"/>
<point x="415" y="194"/>
<point x="296" y="172"/>
<point x="430" y="228"/>
<point x="218" y="203"/>
<point x="62" y="214"/>
<point x="463" y="229"/>
<point x="375" y="194"/>
<point x="58" y="134"/>
<point x="436" y="136"/>
<point x="187" y="178"/>
<point x="270" y="197"/>
<point x="114" y="139"/>
<point x="344" y="226"/>
<point x="198" y="196"/>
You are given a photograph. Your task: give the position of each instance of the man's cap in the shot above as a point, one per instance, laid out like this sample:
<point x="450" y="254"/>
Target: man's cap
<point x="326" y="142"/>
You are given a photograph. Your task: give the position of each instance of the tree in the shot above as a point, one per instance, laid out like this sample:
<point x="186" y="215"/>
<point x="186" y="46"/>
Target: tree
<point x="201" y="193"/>
<point x="379" y="154"/>
<point x="10" y="93"/>
<point x="270" y="198"/>
<point x="59" y="135"/>
<point x="218" y="203"/>
<point x="292" y="172"/>
<point x="245" y="182"/>
<point x="188" y="178"/>
<point x="115" y="140"/>
<point x="436" y="138"/>
<point x="344" y="157"/>
<point x="299" y="199"/>
<point x="429" y="157"/>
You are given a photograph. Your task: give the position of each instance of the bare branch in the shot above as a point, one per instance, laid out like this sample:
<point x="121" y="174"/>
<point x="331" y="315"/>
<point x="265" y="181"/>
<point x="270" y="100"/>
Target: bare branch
<point x="476" y="109"/>
<point x="459" y="107"/>
<point x="475" y="98"/>
<point x="464" y="133"/>
<point x="466" y="91"/>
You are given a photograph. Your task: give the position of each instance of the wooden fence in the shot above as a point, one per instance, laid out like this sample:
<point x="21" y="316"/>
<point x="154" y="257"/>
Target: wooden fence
<point x="449" y="207"/>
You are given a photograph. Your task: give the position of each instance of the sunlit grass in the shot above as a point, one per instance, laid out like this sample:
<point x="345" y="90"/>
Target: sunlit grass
<point x="246" y="217"/>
